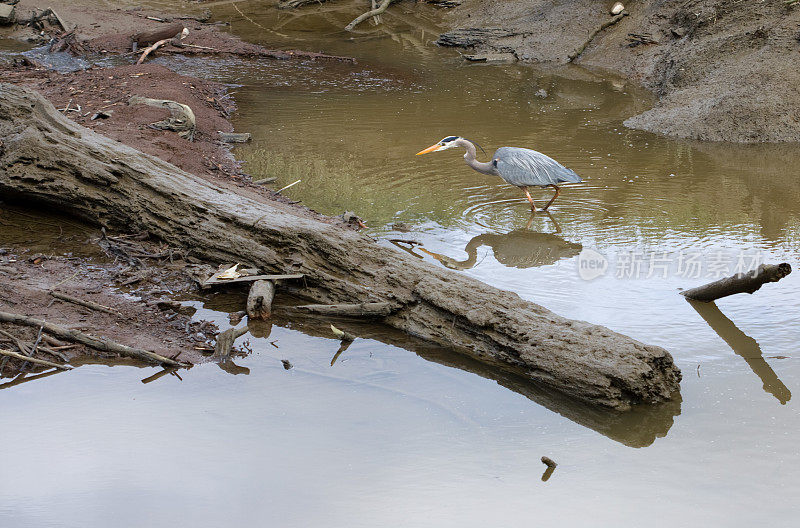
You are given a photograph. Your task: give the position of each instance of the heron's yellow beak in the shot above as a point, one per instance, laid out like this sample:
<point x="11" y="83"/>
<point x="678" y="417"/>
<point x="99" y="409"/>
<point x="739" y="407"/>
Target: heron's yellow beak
<point x="432" y="148"/>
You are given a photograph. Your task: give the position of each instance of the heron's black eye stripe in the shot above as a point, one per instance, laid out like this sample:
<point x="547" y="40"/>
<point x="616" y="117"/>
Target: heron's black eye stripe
<point x="449" y="139"/>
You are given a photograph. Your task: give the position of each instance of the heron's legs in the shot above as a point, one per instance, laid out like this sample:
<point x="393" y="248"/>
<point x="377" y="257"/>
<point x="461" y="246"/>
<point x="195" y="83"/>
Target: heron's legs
<point x="558" y="191"/>
<point x="549" y="215"/>
<point x="533" y="205"/>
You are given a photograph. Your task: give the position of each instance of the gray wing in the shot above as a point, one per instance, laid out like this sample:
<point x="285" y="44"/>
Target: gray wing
<point x="520" y="166"/>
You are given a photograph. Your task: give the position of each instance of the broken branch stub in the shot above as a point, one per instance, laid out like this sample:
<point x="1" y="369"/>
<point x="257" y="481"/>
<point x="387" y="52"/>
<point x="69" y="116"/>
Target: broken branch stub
<point x="225" y="339"/>
<point x="371" y="13"/>
<point x="182" y="118"/>
<point x="52" y="160"/>
<point x="259" y="300"/>
<point x="749" y="282"/>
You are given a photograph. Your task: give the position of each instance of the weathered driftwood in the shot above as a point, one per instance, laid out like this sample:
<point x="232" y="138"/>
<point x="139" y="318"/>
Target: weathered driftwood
<point x="88" y="304"/>
<point x="182" y="118"/>
<point x="175" y="39"/>
<point x="214" y="280"/>
<point x="369" y="309"/>
<point x="374" y="12"/>
<point x="97" y="343"/>
<point x="749" y="282"/>
<point x="225" y="339"/>
<point x="259" y="300"/>
<point x="52" y="160"/>
<point x="42" y="362"/>
<point x="147" y="38"/>
<point x="150" y="49"/>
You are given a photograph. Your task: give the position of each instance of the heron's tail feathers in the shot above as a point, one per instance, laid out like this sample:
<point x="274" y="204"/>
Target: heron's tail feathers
<point x="568" y="176"/>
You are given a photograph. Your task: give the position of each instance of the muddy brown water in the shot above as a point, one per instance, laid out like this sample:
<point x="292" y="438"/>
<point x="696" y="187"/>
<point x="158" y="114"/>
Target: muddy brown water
<point x="400" y="435"/>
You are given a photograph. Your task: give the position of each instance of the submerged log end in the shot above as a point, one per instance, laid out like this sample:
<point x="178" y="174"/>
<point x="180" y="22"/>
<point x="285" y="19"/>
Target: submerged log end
<point x="588" y="362"/>
<point x="615" y="372"/>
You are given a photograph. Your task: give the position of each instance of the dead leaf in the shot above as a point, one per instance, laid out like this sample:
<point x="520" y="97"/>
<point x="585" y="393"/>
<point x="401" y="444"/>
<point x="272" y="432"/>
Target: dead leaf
<point x="230" y="273"/>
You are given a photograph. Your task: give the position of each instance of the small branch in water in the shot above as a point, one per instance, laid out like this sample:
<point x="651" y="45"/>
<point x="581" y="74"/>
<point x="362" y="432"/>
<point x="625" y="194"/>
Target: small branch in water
<point x="749" y="282"/>
<point x="148" y="50"/>
<point x="225" y="340"/>
<point x="157" y="375"/>
<point x="371" y="13"/>
<point x="290" y="185"/>
<point x="551" y="466"/>
<point x="346" y="340"/>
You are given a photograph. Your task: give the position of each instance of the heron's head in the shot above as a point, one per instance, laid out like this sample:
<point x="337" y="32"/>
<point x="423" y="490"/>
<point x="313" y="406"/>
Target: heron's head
<point x="446" y="143"/>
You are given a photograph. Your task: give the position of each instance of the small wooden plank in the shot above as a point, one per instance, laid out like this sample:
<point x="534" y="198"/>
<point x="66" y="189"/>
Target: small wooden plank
<point x="214" y="281"/>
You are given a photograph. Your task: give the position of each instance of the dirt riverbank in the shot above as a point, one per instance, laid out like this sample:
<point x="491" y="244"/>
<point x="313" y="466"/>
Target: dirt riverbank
<point x="138" y="289"/>
<point x="130" y="305"/>
<point x="722" y="70"/>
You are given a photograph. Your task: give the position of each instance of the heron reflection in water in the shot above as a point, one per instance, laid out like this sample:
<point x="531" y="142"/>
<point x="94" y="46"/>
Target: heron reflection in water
<point x="521" y="248"/>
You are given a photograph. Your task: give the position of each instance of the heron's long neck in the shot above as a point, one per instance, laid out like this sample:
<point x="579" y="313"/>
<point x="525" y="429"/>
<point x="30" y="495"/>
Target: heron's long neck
<point x="470" y="158"/>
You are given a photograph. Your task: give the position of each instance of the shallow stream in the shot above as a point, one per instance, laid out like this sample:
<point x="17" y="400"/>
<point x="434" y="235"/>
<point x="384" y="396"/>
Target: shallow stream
<point x="408" y="435"/>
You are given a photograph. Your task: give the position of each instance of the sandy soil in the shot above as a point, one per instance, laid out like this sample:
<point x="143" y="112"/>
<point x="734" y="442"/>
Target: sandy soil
<point x="722" y="70"/>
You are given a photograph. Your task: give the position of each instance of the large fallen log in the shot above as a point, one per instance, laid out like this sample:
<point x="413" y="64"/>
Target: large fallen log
<point x="47" y="158"/>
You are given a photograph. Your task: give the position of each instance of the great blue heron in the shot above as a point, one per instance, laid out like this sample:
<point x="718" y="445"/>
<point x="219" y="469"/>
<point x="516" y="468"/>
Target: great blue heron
<point x="518" y="166"/>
